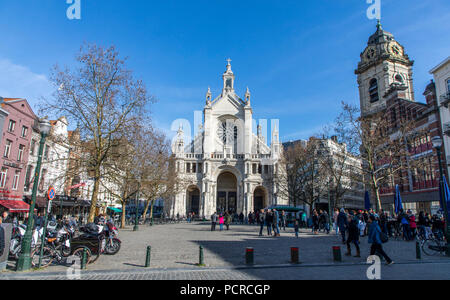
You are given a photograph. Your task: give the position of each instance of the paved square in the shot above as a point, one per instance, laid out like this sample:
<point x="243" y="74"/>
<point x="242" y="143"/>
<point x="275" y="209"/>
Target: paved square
<point x="177" y="246"/>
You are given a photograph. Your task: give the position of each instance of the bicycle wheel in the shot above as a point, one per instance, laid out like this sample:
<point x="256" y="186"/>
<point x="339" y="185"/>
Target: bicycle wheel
<point x="47" y="257"/>
<point x="429" y="246"/>
<point x="79" y="253"/>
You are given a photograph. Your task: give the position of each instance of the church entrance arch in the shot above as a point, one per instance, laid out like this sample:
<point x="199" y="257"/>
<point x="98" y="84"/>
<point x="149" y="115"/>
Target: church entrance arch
<point x="193" y="200"/>
<point x="260" y="199"/>
<point x="226" y="193"/>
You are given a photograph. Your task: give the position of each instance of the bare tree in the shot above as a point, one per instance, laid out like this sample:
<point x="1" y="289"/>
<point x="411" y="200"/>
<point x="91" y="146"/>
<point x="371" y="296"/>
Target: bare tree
<point x="101" y="96"/>
<point x="304" y="179"/>
<point x="382" y="146"/>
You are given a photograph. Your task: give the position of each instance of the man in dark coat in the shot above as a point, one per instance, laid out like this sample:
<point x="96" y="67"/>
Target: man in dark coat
<point x="261" y="220"/>
<point x="353" y="235"/>
<point x="269" y="221"/>
<point x="213" y="221"/>
<point x="342" y="223"/>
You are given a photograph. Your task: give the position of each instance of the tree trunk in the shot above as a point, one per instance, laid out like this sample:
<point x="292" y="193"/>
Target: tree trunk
<point x="376" y="192"/>
<point x="122" y="220"/>
<point x="147" y="204"/>
<point x="151" y="209"/>
<point x="94" y="197"/>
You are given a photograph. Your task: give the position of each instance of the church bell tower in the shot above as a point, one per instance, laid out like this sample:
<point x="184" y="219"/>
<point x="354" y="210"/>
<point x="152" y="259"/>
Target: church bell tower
<point x="384" y="65"/>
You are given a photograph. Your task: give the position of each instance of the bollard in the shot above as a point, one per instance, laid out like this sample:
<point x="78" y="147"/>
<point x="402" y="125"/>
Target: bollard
<point x="294" y="255"/>
<point x="418" y="251"/>
<point x="147" y="258"/>
<point x="201" y="262"/>
<point x="249" y="256"/>
<point x="84" y="259"/>
<point x="337" y="256"/>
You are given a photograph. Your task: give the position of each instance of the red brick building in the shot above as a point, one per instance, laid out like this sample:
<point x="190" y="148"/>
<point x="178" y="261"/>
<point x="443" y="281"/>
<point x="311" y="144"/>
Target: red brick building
<point x="419" y="179"/>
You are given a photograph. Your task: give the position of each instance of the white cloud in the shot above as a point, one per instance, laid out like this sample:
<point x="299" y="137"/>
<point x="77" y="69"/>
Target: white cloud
<point x="18" y="81"/>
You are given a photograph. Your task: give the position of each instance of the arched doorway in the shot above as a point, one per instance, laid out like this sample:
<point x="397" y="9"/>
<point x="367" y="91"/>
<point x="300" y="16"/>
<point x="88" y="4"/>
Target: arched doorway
<point x="226" y="193"/>
<point x="259" y="198"/>
<point x="193" y="200"/>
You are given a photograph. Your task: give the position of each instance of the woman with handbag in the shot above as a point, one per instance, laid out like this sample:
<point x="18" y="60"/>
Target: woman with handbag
<point x="376" y="238"/>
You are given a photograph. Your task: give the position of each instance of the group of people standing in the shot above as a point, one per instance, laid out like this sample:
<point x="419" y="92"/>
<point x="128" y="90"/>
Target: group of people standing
<point x="222" y="219"/>
<point x="272" y="220"/>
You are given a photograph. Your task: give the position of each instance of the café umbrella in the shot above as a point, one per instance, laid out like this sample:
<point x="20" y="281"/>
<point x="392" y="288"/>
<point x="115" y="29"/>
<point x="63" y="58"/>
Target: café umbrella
<point x="367" y="205"/>
<point x="398" y="200"/>
<point x="446" y="195"/>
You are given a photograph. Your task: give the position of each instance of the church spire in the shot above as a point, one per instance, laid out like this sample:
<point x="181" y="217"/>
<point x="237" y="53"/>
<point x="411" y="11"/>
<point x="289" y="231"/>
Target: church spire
<point x="228" y="78"/>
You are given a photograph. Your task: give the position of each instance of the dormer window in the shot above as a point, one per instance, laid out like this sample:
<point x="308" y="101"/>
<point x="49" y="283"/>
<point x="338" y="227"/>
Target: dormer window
<point x="373" y="91"/>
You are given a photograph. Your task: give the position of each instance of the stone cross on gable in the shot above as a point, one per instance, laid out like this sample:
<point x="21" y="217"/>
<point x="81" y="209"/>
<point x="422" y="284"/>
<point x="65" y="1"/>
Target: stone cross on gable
<point x="229" y="61"/>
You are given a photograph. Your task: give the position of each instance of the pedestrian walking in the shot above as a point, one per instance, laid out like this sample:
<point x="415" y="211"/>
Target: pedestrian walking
<point x="326" y="221"/>
<point x="221" y="222"/>
<point x="335" y="218"/>
<point x="342" y="223"/>
<point x="315" y="222"/>
<point x="403" y="219"/>
<point x="276" y="222"/>
<point x="269" y="220"/>
<point x="261" y="221"/>
<point x="353" y="235"/>
<point x="296" y="227"/>
<point x="412" y="225"/>
<point x="6" y="217"/>
<point x="283" y="220"/>
<point x="374" y="233"/>
<point x="213" y="221"/>
<point x="227" y="220"/>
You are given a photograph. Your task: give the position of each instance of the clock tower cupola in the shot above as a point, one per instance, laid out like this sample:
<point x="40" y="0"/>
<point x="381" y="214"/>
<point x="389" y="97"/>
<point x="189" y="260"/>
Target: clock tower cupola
<point x="383" y="65"/>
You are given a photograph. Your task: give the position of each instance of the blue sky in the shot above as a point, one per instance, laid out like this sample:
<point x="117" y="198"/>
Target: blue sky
<point x="297" y="57"/>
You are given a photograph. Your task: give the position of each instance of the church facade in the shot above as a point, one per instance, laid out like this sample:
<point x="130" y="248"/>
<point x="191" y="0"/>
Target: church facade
<point x="226" y="167"/>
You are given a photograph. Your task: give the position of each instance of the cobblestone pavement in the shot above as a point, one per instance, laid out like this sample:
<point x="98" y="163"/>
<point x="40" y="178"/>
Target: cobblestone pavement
<point x="176" y="246"/>
<point x="409" y="271"/>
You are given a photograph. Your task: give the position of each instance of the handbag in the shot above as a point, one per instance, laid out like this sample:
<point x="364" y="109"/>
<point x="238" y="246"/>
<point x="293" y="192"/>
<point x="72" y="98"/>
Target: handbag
<point x="384" y="237"/>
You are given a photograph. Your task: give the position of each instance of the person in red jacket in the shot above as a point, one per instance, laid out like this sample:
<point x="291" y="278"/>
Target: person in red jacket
<point x="412" y="224"/>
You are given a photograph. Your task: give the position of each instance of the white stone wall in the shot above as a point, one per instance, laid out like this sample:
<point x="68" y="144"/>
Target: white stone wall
<point x="441" y="76"/>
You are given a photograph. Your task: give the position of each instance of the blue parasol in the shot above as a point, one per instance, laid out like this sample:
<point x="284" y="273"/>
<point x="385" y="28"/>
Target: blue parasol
<point x="446" y="194"/>
<point x="367" y="205"/>
<point x="398" y="200"/>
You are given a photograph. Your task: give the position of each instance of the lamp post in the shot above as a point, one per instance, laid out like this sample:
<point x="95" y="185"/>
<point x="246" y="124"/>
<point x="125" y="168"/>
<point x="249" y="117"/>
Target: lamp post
<point x="437" y="144"/>
<point x="24" y="262"/>
<point x="136" y="221"/>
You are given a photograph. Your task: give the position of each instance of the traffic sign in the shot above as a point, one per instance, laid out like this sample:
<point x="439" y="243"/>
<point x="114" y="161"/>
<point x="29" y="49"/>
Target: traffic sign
<point x="51" y="193"/>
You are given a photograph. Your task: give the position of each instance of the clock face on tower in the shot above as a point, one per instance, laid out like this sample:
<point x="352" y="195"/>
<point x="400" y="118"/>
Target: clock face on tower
<point x="370" y="53"/>
<point x="395" y="49"/>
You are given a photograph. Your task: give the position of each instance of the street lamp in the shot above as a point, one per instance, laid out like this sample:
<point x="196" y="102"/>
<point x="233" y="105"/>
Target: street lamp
<point x="24" y="262"/>
<point x="437" y="144"/>
<point x="136" y="221"/>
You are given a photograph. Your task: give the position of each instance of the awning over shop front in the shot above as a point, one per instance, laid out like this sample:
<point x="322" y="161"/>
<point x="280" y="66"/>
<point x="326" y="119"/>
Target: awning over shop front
<point x="15" y="206"/>
<point x="114" y="209"/>
<point x="41" y="202"/>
